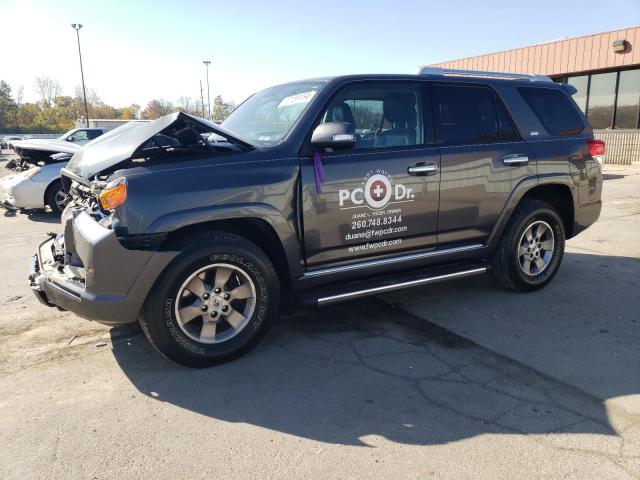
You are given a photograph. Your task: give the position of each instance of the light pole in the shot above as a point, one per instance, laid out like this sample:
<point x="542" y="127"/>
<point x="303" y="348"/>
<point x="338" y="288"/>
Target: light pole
<point x="207" y="63"/>
<point x="202" y="98"/>
<point x="77" y="27"/>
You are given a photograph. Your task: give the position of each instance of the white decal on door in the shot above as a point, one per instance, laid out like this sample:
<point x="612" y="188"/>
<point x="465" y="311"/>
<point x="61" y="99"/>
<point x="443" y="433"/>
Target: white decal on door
<point x="376" y="193"/>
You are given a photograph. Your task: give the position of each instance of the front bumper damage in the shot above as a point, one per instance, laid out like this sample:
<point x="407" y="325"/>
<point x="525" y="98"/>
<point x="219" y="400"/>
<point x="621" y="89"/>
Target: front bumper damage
<point x="7" y="184"/>
<point x="87" y="271"/>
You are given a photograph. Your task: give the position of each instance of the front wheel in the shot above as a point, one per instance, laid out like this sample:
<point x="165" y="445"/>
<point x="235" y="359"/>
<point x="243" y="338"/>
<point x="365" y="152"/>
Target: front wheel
<point x="531" y="248"/>
<point x="214" y="302"/>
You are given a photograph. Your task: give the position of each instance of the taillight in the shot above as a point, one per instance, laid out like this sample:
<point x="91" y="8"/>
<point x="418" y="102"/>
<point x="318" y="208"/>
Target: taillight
<point x="596" y="149"/>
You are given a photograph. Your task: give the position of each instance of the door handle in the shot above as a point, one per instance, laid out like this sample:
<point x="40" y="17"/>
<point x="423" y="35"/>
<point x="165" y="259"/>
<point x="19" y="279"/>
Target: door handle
<point x="423" y="169"/>
<point x="517" y="159"/>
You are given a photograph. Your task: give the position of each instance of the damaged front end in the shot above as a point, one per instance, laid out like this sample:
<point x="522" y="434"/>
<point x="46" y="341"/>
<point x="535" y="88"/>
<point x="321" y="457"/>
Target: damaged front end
<point x="88" y="271"/>
<point x="41" y="152"/>
<point x="93" y="269"/>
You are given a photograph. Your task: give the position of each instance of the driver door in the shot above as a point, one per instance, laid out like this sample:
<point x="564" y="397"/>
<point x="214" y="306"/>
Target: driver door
<point x="380" y="197"/>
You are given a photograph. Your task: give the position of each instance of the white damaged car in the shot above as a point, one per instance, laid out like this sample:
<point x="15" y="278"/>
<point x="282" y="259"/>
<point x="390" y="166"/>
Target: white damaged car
<point x="38" y="185"/>
<point x="40" y="149"/>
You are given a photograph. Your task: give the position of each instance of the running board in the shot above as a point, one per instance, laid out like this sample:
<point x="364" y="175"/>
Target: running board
<point x="373" y="287"/>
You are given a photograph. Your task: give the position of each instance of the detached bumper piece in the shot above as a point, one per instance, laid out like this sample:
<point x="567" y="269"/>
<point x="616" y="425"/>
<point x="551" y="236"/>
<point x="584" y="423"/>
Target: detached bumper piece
<point x="35" y="281"/>
<point x="88" y="272"/>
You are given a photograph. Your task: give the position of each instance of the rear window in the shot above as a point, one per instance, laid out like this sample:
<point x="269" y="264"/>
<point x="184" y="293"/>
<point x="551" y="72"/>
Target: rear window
<point x="554" y="109"/>
<point x="467" y="115"/>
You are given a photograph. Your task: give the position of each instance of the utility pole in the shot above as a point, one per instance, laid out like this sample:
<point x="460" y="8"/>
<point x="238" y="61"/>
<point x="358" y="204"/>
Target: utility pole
<point x="202" y="98"/>
<point x="207" y="63"/>
<point x="77" y="27"/>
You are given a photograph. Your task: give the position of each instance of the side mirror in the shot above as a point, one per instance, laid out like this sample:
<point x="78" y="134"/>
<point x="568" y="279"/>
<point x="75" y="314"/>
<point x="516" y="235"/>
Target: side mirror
<point x="334" y="135"/>
<point x="71" y="139"/>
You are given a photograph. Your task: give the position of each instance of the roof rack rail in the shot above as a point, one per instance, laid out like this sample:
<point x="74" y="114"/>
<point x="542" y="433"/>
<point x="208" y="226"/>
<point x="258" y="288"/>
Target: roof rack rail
<point x="437" y="71"/>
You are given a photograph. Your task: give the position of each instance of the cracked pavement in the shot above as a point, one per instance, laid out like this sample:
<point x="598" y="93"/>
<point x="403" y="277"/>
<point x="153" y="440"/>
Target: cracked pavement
<point x="380" y="388"/>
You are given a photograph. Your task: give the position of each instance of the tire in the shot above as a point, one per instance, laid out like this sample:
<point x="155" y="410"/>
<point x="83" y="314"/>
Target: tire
<point x="53" y="197"/>
<point x="522" y="270"/>
<point x="210" y="256"/>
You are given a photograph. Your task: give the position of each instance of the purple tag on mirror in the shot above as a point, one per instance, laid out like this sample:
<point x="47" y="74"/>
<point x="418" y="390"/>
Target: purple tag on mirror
<point x="318" y="170"/>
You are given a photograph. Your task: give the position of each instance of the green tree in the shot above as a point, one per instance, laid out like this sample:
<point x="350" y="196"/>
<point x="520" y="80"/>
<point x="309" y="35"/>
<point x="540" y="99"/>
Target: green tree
<point x="130" y="113"/>
<point x="8" y="107"/>
<point x="221" y="109"/>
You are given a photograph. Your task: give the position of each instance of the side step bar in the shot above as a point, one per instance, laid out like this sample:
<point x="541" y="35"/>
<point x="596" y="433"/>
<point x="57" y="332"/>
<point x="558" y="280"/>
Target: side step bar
<point x="388" y="284"/>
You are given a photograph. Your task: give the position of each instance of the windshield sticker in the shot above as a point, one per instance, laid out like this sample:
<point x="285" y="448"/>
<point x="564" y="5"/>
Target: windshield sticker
<point x="303" y="97"/>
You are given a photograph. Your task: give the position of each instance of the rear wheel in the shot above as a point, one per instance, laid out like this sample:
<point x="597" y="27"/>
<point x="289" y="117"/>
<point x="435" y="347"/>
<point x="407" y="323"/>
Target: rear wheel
<point x="56" y="197"/>
<point x="214" y="302"/>
<point x="531" y="248"/>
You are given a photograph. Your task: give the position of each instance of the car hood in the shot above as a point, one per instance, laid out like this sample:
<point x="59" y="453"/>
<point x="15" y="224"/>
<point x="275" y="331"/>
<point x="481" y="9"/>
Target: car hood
<point x="122" y="143"/>
<point x="47" y="145"/>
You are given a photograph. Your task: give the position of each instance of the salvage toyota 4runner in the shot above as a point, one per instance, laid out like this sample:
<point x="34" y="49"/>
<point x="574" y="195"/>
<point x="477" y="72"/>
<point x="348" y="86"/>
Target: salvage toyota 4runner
<point x="320" y="191"/>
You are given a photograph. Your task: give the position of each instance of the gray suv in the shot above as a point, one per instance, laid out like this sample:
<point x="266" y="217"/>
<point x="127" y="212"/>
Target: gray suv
<point x="319" y="191"/>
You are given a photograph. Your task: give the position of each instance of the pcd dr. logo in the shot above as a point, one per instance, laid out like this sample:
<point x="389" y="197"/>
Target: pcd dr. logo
<point x="377" y="192"/>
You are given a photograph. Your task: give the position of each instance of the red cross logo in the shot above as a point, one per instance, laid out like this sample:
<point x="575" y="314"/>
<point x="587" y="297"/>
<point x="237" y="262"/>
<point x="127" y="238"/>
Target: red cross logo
<point x="378" y="190"/>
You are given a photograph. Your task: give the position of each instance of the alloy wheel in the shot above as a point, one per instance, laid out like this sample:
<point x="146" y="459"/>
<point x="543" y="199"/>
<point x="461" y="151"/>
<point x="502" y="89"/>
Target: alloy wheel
<point x="61" y="198"/>
<point x="535" y="248"/>
<point x="215" y="303"/>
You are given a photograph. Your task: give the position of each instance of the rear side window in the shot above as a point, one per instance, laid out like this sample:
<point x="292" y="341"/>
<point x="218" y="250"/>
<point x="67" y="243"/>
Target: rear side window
<point x="554" y="109"/>
<point x="467" y="115"/>
<point x="94" y="134"/>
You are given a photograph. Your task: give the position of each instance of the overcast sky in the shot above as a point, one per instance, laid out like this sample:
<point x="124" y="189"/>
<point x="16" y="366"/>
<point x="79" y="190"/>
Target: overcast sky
<point x="135" y="51"/>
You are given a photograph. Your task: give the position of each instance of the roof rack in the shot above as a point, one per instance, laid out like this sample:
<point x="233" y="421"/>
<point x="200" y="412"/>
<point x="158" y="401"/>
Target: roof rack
<point x="437" y="71"/>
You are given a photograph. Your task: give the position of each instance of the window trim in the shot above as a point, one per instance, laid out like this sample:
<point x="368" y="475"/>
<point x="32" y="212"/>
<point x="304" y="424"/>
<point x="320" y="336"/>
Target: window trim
<point x="497" y="100"/>
<point x="428" y="140"/>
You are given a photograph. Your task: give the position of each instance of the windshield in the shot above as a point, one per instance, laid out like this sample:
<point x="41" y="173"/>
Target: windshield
<point x="266" y="117"/>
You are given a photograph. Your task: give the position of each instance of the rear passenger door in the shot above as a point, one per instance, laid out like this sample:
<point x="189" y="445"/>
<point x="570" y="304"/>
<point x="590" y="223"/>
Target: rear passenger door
<point x="482" y="159"/>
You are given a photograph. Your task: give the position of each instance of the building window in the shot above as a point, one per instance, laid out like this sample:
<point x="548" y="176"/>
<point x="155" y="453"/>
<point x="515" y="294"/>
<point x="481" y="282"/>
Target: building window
<point x="598" y="94"/>
<point x="582" y="85"/>
<point x="628" y="104"/>
<point x="602" y="96"/>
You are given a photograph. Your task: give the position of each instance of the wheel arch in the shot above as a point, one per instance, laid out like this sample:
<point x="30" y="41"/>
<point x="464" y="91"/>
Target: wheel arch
<point x="557" y="190"/>
<point x="255" y="229"/>
<point x="48" y="188"/>
<point x="560" y="197"/>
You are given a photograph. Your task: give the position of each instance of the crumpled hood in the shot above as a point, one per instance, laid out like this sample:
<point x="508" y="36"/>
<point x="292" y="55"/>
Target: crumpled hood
<point x="122" y="143"/>
<point x="47" y="145"/>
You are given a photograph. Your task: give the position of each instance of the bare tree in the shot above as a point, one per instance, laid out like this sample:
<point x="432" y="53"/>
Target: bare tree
<point x="188" y="105"/>
<point x="48" y="90"/>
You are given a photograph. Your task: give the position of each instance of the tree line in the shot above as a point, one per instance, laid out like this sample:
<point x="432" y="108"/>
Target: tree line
<point x="55" y="112"/>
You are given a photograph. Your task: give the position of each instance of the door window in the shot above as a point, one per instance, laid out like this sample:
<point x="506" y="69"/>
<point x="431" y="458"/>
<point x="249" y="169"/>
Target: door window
<point x="466" y="115"/>
<point x="382" y="116"/>
<point x="80" y="136"/>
